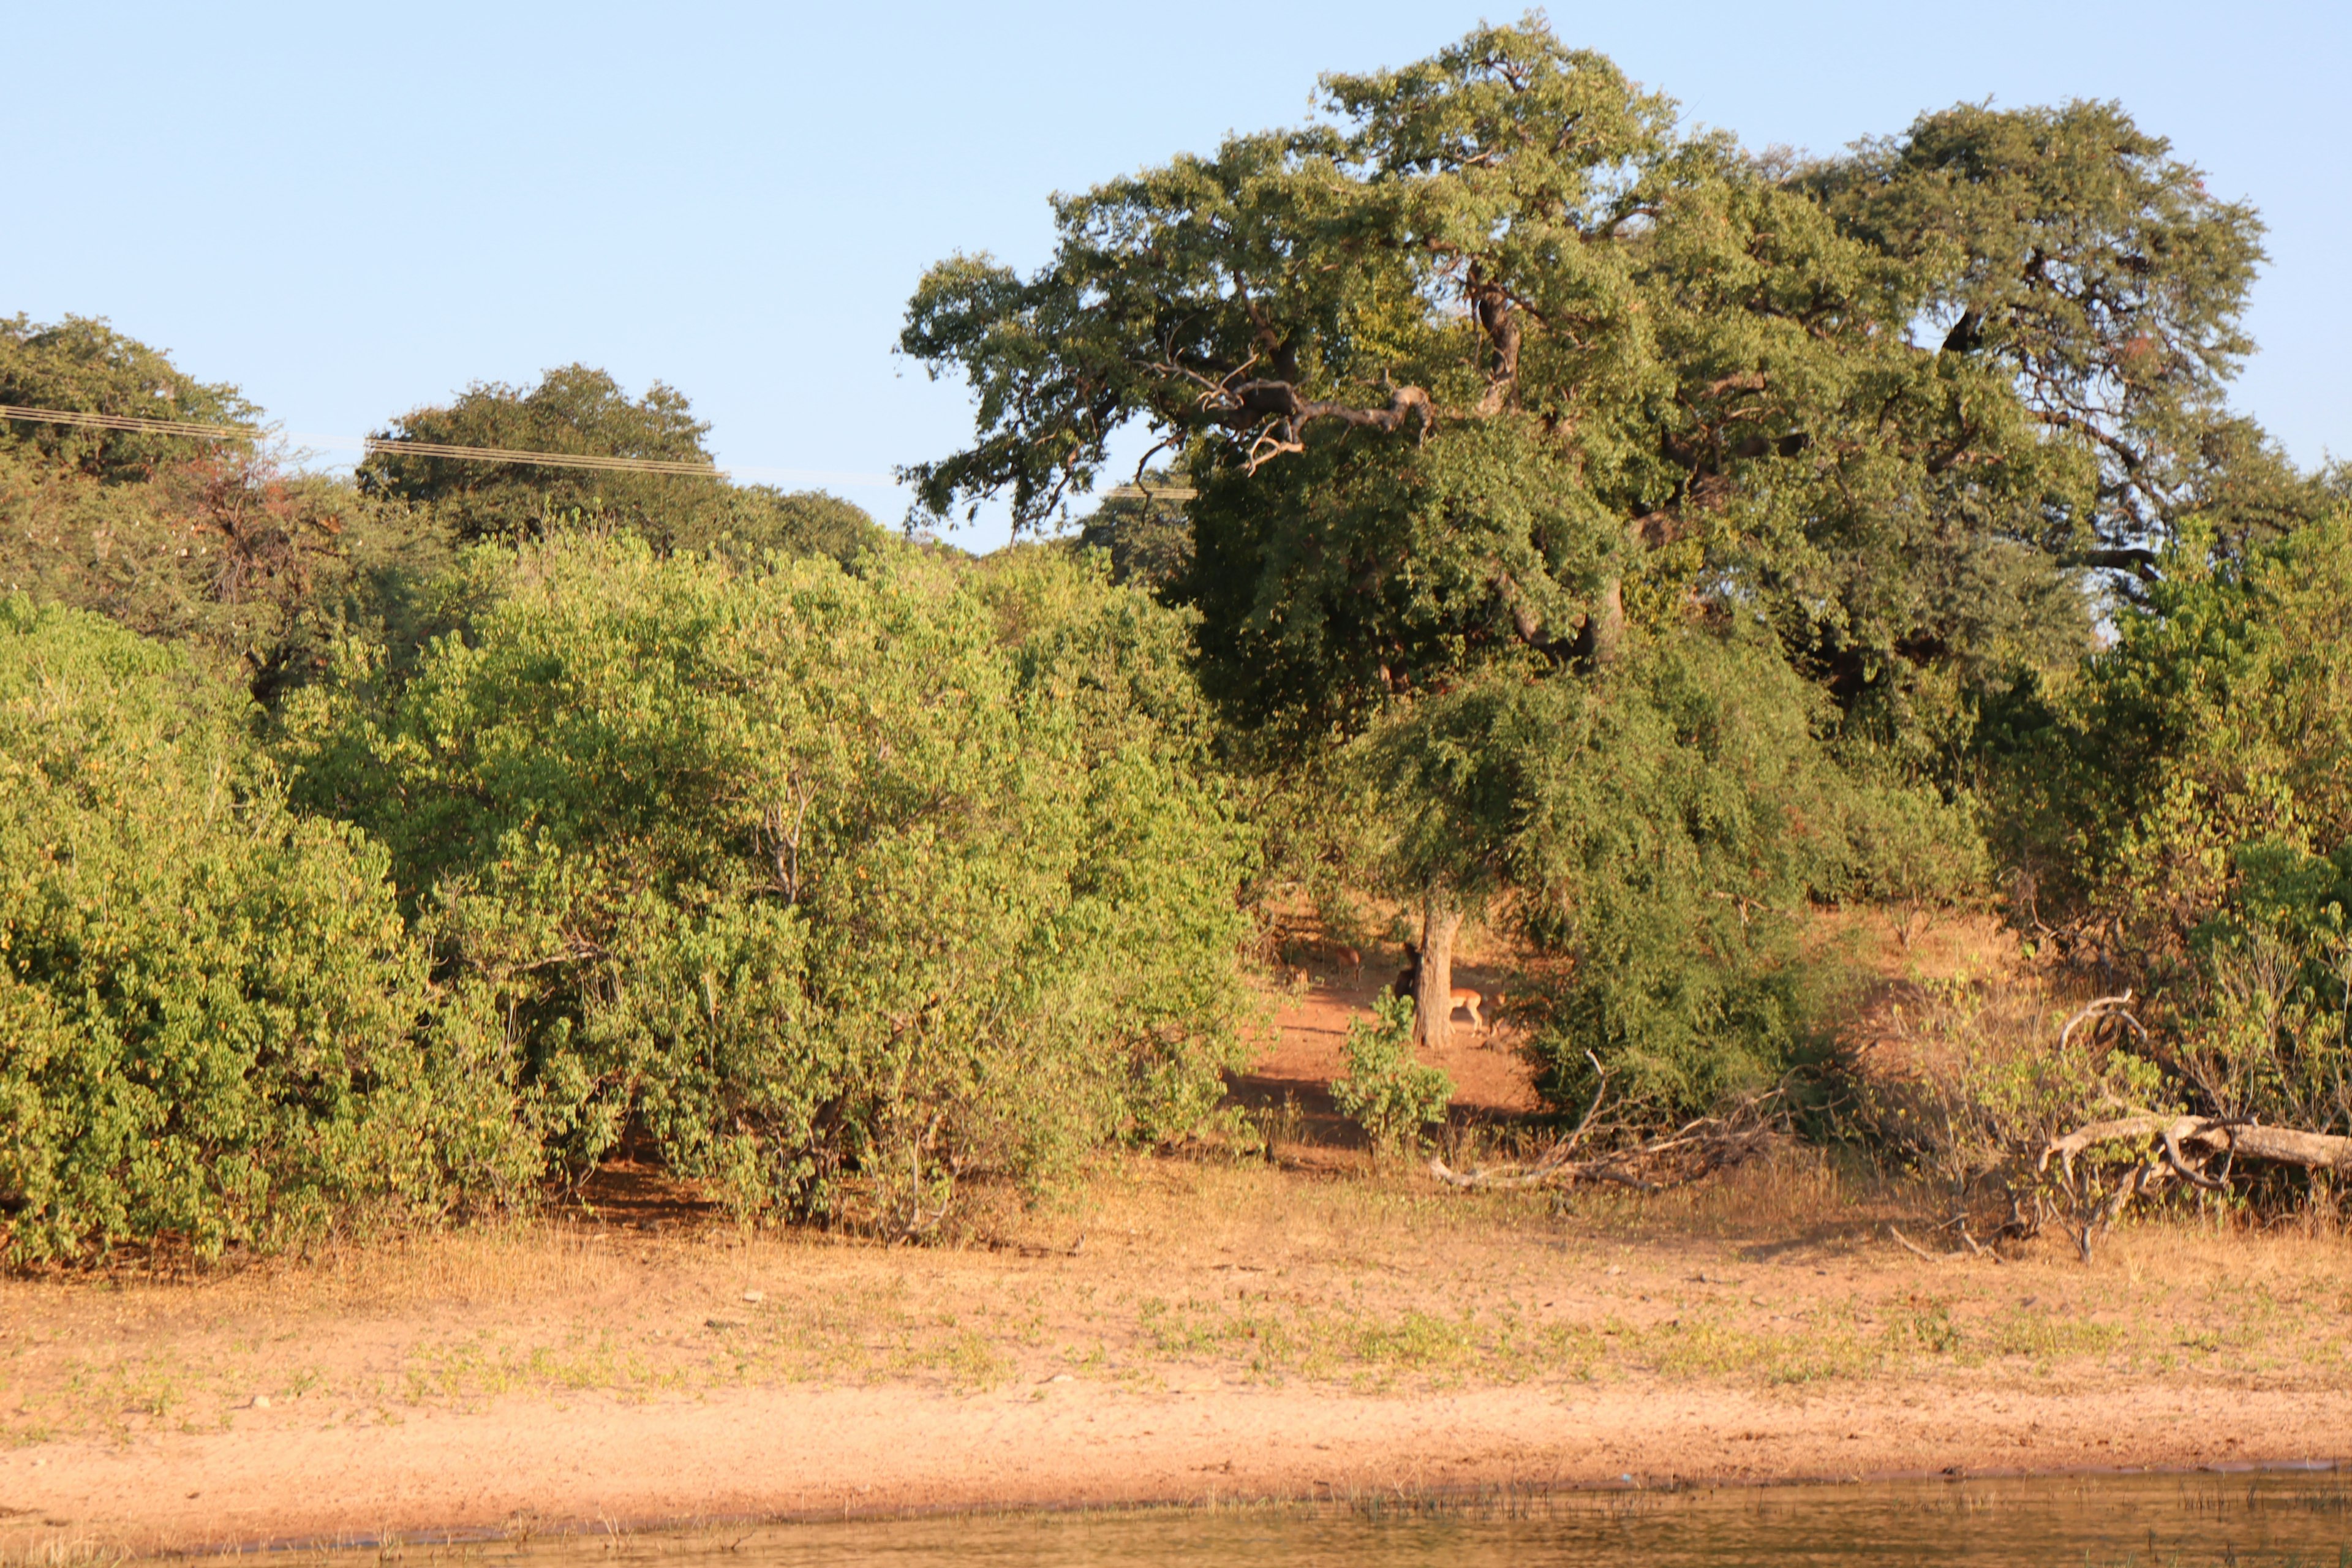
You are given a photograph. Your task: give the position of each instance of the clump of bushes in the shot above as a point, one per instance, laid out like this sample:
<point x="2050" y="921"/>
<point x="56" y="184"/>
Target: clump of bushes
<point x="214" y="1024"/>
<point x="2185" y="815"/>
<point x="841" y="884"/>
<point x="1385" y="1091"/>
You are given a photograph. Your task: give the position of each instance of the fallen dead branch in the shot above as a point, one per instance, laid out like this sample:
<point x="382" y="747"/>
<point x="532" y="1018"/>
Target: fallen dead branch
<point x="2217" y="1136"/>
<point x="1697" y="1149"/>
<point x="1970" y="1248"/>
<point x="2177" y="1148"/>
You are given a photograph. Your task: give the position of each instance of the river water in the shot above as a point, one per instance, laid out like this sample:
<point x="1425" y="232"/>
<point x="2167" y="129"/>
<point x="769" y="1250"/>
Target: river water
<point x="2270" y="1517"/>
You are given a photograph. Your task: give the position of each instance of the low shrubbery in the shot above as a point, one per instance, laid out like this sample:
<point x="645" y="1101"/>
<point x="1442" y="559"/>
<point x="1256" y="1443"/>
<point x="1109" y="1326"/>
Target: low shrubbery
<point x="1385" y="1091"/>
<point x="214" y="1023"/>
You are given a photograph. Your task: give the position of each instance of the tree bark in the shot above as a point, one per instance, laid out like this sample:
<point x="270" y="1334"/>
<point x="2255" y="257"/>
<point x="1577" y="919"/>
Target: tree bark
<point x="1433" y="987"/>
<point x="1604" y="636"/>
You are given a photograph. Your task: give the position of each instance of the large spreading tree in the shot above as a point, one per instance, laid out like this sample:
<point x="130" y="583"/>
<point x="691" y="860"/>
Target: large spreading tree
<point x="1497" y="375"/>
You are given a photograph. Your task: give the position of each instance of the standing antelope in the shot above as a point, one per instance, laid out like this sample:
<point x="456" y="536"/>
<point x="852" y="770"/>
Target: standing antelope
<point x="1408" y="982"/>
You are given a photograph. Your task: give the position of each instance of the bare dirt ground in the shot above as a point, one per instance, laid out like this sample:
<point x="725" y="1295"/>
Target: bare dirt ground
<point x="1181" y="1329"/>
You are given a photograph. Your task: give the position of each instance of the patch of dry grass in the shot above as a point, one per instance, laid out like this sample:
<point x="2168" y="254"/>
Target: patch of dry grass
<point x="1775" y="1277"/>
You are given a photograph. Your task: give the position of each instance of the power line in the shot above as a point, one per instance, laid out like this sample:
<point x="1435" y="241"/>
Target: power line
<point x="373" y="445"/>
<point x="1148" y="492"/>
<point x="129" y="422"/>
<point x="549" y="459"/>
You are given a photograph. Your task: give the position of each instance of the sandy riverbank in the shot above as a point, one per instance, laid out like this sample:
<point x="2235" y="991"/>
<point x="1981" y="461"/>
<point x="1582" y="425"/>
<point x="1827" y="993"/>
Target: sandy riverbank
<point x="1221" y="1333"/>
<point x="592" y="1464"/>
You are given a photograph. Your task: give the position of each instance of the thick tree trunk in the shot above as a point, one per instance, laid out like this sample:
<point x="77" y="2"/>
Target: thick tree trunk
<point x="1433" y="986"/>
<point x="1607" y="623"/>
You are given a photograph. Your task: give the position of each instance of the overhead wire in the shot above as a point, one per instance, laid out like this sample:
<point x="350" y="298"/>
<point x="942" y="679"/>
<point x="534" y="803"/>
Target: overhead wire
<point x="130" y="422"/>
<point x="549" y="459"/>
<point x="375" y="445"/>
<point x="371" y="444"/>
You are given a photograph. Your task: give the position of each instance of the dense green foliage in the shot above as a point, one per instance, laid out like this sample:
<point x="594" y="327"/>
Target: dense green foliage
<point x="1513" y="411"/>
<point x="2222" y="717"/>
<point x="213" y="1020"/>
<point x="1147" y="536"/>
<point x="1567" y="519"/>
<point x="842" y="884"/>
<point x="1662" y="829"/>
<point x="1387" y="1093"/>
<point x="1500" y="356"/>
<point x="837" y="886"/>
<point x="2184" y="814"/>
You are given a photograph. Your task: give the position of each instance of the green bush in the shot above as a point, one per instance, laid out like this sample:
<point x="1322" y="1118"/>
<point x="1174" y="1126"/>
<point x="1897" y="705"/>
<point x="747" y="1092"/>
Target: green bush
<point x="842" y="886"/>
<point x="2184" y="814"/>
<point x="1663" y="828"/>
<point x="213" y="1022"/>
<point x="1386" y="1093"/>
<point x="2221" y="718"/>
<point x="2261" y="1024"/>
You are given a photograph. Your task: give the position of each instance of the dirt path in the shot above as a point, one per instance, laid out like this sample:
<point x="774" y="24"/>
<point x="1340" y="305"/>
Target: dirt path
<point x="1177" y="1330"/>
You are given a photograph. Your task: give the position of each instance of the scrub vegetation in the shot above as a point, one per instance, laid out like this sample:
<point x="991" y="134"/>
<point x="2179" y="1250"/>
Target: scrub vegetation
<point x="1559" y="523"/>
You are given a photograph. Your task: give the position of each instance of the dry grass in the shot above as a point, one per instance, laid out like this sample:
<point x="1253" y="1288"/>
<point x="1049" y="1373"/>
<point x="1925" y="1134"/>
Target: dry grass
<point x="1189" y="1274"/>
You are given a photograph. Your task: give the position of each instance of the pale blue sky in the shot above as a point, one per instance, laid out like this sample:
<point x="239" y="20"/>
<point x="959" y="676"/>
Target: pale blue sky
<point x="353" y="211"/>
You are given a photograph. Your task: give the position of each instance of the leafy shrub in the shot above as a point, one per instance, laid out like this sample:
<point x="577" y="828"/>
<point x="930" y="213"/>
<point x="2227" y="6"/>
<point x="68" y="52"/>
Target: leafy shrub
<point x="1386" y="1093"/>
<point x="2262" y="1026"/>
<point x="1663" y="827"/>
<point x="213" y="1022"/>
<point x="1993" y="1076"/>
<point x="2221" y="718"/>
<point x="2186" y="817"/>
<point x="840" y="885"/>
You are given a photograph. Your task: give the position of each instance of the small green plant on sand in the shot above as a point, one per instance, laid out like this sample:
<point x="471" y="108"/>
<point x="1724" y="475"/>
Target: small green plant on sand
<point x="1387" y="1092"/>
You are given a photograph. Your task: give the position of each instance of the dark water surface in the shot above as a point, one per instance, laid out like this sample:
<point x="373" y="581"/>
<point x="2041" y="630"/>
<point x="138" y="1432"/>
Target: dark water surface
<point x="2255" y="1518"/>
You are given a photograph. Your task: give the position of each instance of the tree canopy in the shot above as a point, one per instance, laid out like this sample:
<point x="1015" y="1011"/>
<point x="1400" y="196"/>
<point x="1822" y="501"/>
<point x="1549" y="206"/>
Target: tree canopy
<point x="82" y="366"/>
<point x="1496" y="355"/>
<point x="578" y="411"/>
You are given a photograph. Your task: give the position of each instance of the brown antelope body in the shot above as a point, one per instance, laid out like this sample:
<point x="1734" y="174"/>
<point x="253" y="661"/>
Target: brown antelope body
<point x="1464" y="1000"/>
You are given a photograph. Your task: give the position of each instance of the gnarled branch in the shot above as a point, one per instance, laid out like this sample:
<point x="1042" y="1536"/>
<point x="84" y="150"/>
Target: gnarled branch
<point x="1285" y="414"/>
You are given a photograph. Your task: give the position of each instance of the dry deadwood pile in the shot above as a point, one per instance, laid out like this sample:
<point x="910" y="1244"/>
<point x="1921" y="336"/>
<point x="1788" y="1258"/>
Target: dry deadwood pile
<point x="2074" y="1178"/>
<point x="2200" y="1152"/>
<point x="2179" y="1148"/>
<point x="1695" y="1150"/>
